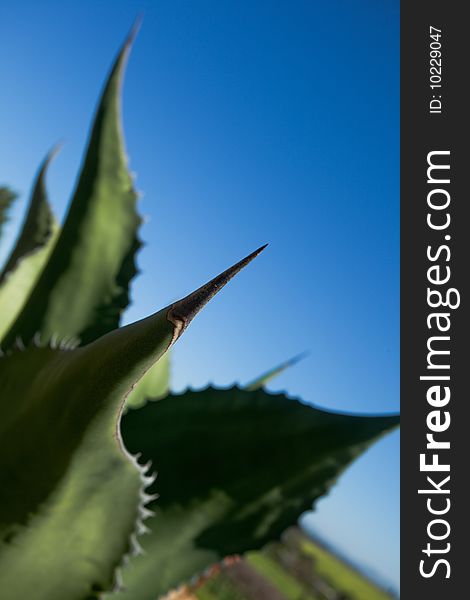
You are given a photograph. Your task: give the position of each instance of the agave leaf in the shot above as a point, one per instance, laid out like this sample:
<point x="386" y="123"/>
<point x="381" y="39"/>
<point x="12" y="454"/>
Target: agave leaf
<point x="7" y="198"/>
<point x="38" y="223"/>
<point x="71" y="495"/>
<point x="17" y="285"/>
<point x="84" y="285"/>
<point x="235" y="468"/>
<point x="30" y="252"/>
<point x="265" y="378"/>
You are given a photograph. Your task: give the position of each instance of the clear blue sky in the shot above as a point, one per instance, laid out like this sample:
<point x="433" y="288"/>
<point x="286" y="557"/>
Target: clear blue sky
<point x="247" y="122"/>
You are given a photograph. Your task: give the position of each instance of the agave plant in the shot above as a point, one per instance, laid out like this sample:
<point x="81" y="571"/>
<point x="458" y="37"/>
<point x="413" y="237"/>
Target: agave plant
<point x="87" y="415"/>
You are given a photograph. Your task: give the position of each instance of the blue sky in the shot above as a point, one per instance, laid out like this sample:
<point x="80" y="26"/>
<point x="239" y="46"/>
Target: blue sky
<point x="246" y="122"/>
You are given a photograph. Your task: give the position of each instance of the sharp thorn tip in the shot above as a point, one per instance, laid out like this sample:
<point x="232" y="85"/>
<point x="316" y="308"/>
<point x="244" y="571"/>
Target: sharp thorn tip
<point x="182" y="312"/>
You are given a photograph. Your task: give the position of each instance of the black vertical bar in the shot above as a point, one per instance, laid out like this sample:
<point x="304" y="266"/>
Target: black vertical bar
<point x="422" y="132"/>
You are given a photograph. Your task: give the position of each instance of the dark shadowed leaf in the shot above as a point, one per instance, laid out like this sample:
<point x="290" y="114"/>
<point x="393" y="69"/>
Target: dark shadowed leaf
<point x="235" y="468"/>
<point x="30" y="252"/>
<point x="37" y="225"/>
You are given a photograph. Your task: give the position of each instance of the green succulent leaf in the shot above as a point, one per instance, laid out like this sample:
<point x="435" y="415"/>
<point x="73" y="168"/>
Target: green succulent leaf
<point x="85" y="284"/>
<point x="7" y="197"/>
<point x="30" y="252"/>
<point x="71" y="494"/>
<point x="235" y="468"/>
<point x="38" y="223"/>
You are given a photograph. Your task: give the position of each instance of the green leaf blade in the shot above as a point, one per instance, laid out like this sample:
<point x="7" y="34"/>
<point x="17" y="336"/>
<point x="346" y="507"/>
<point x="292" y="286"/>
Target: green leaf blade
<point x="235" y="468"/>
<point x="70" y="493"/>
<point x="30" y="252"/>
<point x="38" y="225"/>
<point x="84" y="286"/>
<point x="15" y="289"/>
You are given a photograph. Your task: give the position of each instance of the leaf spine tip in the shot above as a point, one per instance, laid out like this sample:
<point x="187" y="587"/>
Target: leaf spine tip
<point x="182" y="312"/>
<point x="19" y="343"/>
<point x="136" y="548"/>
<point x="145" y="513"/>
<point x="147" y="498"/>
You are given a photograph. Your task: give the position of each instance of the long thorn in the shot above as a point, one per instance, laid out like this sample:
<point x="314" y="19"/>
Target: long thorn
<point x="182" y="312"/>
